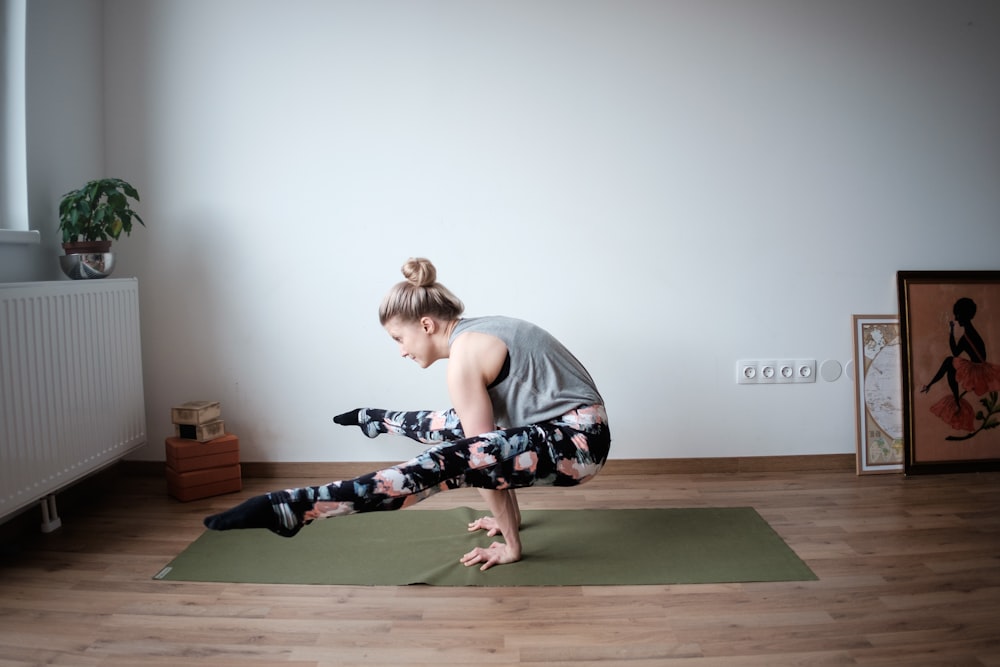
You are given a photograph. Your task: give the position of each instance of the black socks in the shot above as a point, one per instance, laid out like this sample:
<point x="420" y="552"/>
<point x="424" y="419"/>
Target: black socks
<point x="274" y="511"/>
<point x="369" y="420"/>
<point x="349" y="418"/>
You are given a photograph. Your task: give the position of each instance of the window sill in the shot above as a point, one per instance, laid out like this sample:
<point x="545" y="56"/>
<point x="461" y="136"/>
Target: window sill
<point x="14" y="236"/>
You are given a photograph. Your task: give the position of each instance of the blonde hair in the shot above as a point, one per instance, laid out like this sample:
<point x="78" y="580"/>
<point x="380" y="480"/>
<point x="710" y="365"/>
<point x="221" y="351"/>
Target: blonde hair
<point x="419" y="295"/>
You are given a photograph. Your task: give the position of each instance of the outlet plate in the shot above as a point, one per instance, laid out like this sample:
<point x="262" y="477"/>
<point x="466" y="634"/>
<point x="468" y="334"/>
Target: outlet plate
<point x="804" y="371"/>
<point x="775" y="371"/>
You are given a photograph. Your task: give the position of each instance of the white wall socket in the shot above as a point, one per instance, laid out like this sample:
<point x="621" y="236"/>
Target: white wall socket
<point x="775" y="371"/>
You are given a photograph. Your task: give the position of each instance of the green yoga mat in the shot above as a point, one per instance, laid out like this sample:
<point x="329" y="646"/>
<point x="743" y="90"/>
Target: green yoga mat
<point x="561" y="548"/>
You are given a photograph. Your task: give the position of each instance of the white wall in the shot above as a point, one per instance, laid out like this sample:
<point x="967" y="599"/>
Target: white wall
<point x="65" y="127"/>
<point x="666" y="186"/>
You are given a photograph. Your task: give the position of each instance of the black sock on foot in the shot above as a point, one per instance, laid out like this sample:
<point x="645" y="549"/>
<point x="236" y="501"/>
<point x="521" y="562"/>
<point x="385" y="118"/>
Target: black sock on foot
<point x="348" y="418"/>
<point x="258" y="512"/>
<point x="369" y="420"/>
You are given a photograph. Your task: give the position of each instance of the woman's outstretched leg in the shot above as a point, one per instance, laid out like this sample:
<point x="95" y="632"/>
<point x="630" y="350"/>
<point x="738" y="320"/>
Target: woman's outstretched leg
<point x="426" y="426"/>
<point x="286" y="512"/>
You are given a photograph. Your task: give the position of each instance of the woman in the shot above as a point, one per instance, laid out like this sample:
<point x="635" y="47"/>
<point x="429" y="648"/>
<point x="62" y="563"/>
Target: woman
<point x="525" y="413"/>
<point x="964" y="373"/>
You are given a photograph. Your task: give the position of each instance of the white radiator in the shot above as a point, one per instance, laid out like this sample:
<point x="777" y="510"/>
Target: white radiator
<point x="71" y="398"/>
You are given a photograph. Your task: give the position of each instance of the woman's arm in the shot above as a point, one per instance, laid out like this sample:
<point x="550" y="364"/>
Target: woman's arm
<point x="489" y="524"/>
<point x="474" y="361"/>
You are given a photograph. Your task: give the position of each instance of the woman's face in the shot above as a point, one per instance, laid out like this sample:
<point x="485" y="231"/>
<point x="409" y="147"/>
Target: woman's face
<point x="414" y="340"/>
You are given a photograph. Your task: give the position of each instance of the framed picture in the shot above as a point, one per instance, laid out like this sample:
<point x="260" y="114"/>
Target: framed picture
<point x="878" y="388"/>
<point x="950" y="335"/>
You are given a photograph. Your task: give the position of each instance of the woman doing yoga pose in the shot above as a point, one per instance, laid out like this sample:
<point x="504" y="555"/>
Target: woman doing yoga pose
<point x="525" y="412"/>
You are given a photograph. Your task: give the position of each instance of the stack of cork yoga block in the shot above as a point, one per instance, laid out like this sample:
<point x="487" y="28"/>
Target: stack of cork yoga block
<point x="202" y="459"/>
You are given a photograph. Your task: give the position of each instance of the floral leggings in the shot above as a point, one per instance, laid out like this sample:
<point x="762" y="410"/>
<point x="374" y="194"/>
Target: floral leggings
<point x="565" y="451"/>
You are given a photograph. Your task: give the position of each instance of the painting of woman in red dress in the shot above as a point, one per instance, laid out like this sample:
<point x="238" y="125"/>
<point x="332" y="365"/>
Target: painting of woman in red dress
<point x="965" y="371"/>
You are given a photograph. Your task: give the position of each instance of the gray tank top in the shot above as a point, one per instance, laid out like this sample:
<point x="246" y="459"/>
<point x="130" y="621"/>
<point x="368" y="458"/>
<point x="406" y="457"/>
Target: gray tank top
<point x="545" y="380"/>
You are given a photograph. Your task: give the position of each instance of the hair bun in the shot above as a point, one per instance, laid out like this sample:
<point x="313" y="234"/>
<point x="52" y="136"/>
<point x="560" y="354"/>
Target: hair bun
<point x="420" y="272"/>
<point x="419" y="295"/>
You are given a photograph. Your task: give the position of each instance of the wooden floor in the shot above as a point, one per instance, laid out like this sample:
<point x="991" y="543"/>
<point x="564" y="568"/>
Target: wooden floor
<point x="909" y="574"/>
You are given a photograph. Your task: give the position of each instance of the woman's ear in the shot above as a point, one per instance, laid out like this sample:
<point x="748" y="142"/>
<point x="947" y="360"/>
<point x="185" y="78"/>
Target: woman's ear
<point x="428" y="324"/>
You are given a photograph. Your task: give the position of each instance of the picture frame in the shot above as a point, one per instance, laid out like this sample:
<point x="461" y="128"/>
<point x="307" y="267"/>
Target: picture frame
<point x="949" y="327"/>
<point x="878" y="393"/>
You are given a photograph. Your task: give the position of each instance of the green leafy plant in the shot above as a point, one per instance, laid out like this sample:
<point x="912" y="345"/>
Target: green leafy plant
<point x="99" y="211"/>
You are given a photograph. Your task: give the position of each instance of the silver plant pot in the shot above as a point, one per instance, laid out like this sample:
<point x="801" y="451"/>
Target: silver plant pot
<point x="90" y="265"/>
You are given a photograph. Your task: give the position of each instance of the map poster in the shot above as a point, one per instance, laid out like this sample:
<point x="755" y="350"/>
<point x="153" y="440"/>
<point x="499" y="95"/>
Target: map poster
<point x="950" y="342"/>
<point x="879" y="394"/>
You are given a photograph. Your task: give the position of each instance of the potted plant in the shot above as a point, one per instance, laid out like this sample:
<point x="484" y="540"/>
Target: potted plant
<point x="97" y="213"/>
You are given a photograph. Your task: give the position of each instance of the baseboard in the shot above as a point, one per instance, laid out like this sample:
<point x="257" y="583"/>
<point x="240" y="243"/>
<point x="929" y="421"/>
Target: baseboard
<point x="728" y="464"/>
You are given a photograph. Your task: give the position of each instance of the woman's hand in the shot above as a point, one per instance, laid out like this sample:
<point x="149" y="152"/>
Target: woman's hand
<point x="497" y="553"/>
<point x="487" y="523"/>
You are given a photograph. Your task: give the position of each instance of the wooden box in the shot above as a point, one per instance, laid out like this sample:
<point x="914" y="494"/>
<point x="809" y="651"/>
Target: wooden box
<point x="186" y="455"/>
<point x="197" y="484"/>
<point x="196" y="412"/>
<point x="201" y="432"/>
